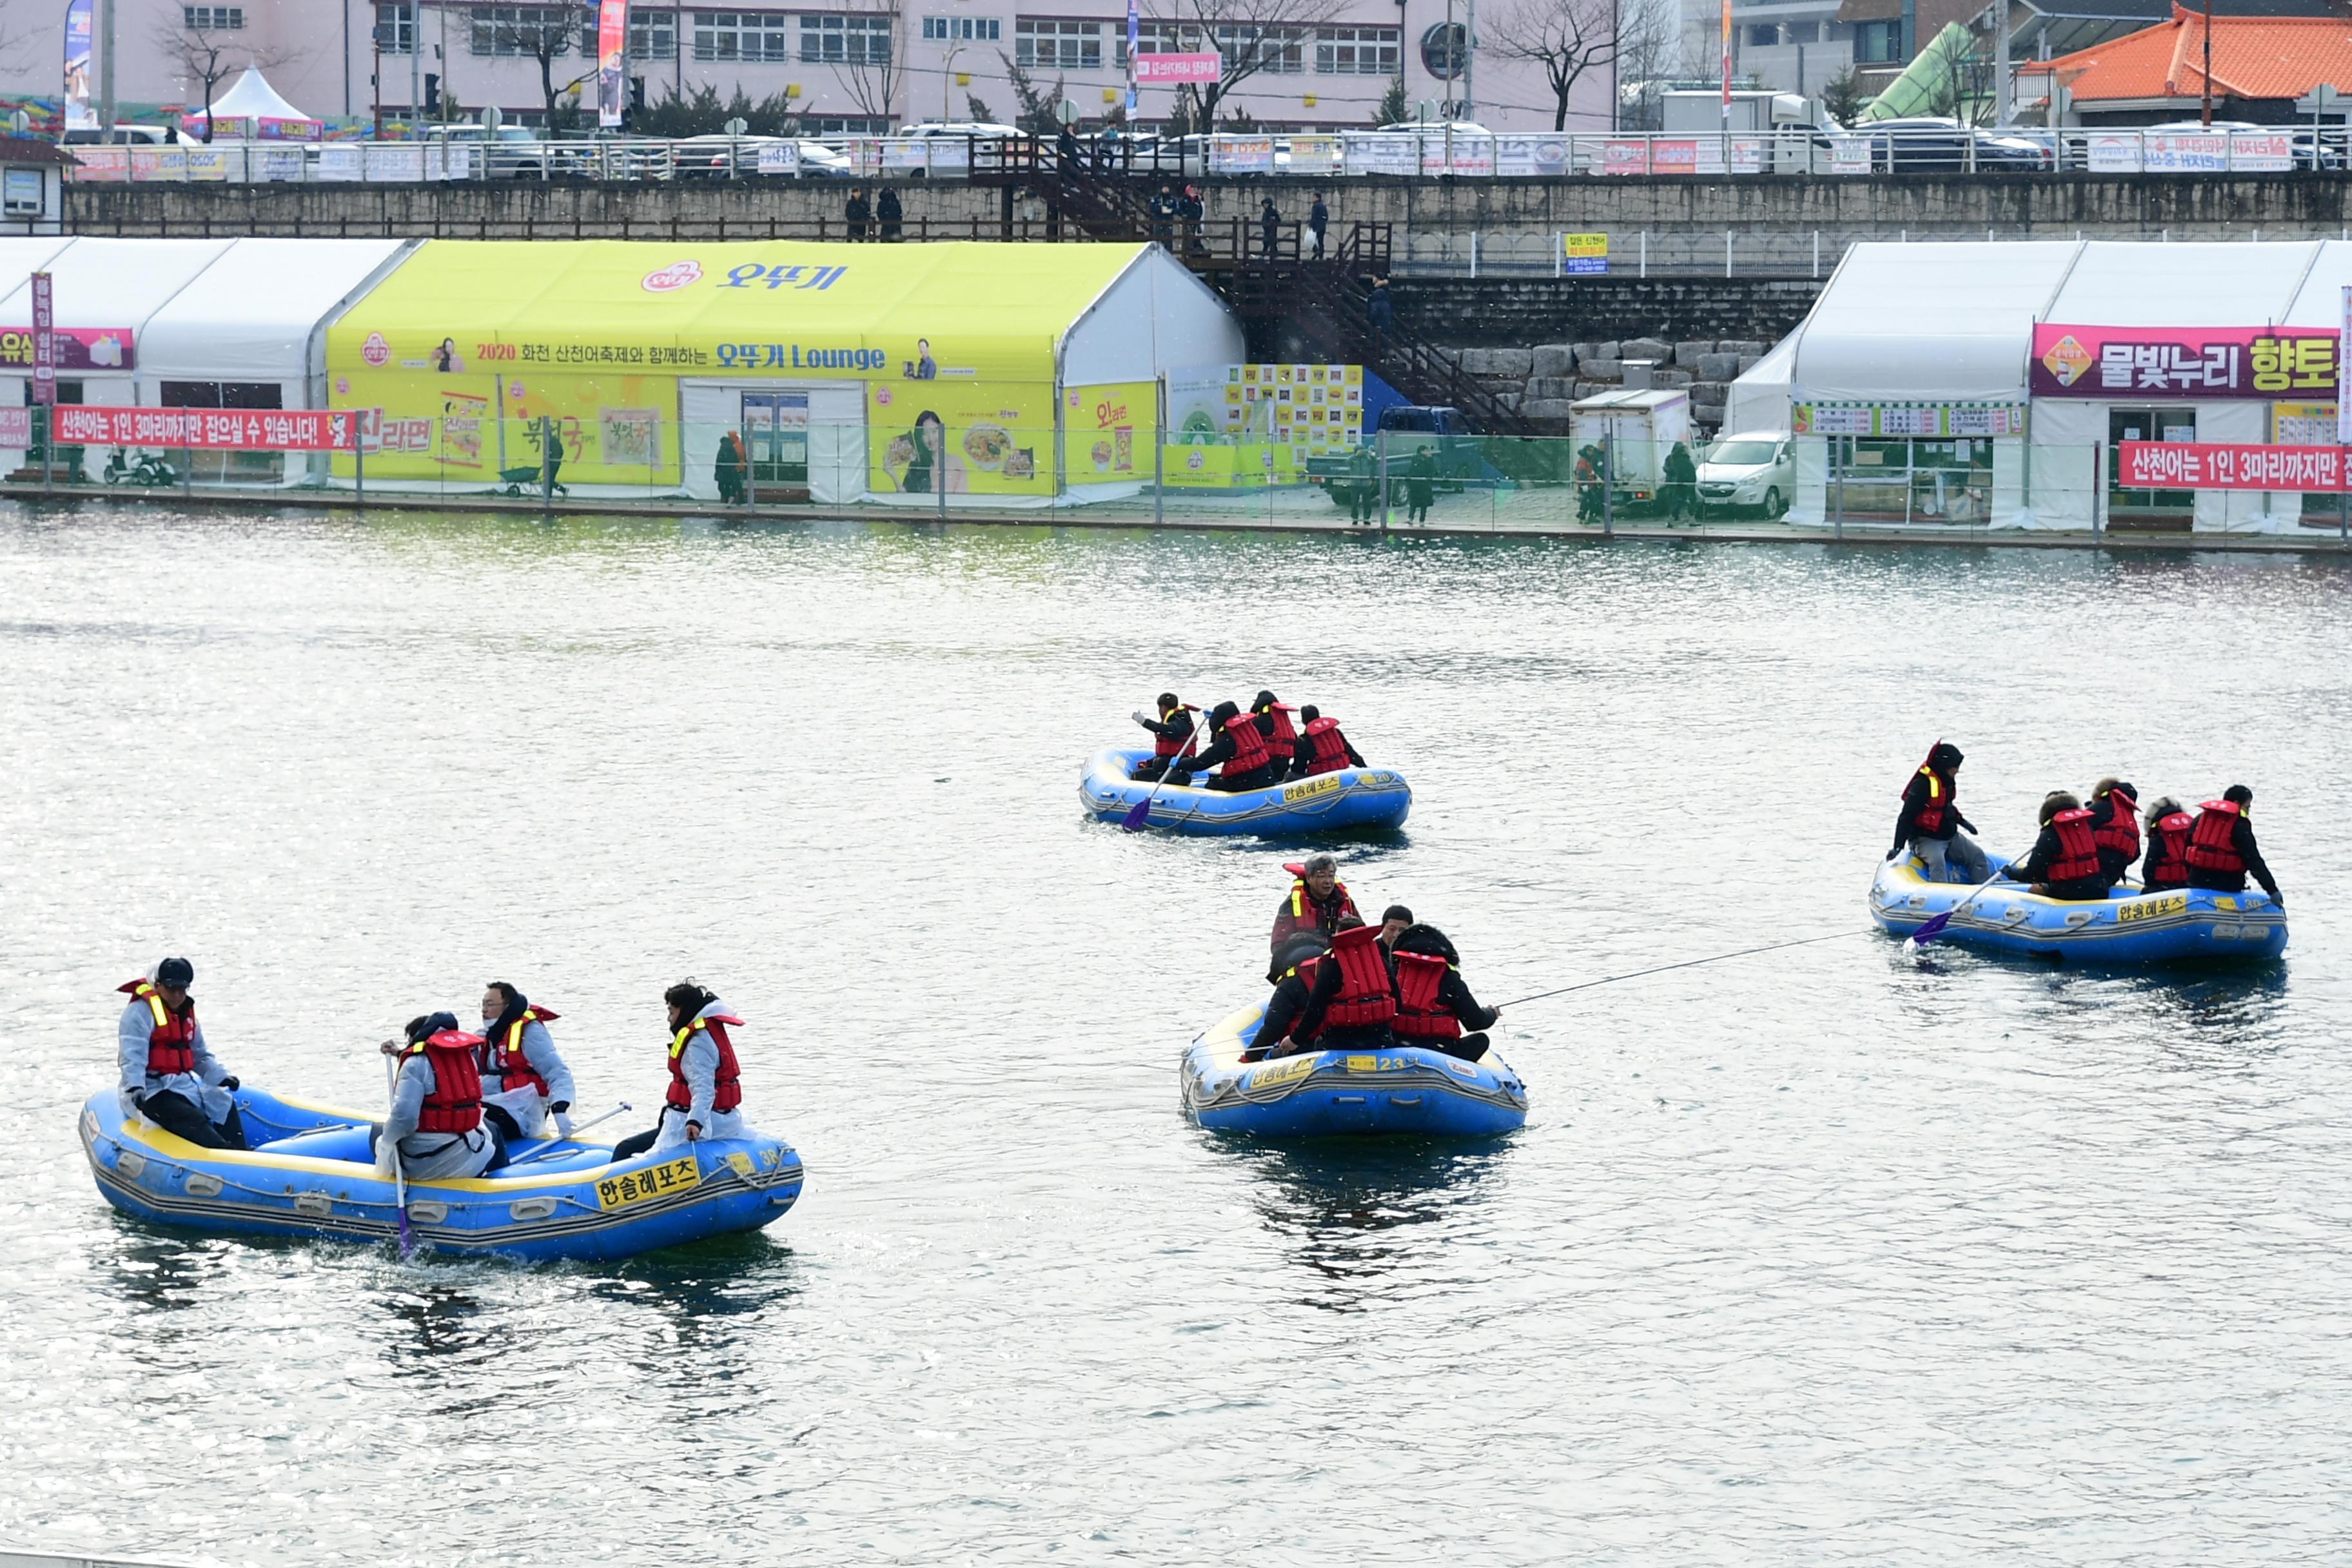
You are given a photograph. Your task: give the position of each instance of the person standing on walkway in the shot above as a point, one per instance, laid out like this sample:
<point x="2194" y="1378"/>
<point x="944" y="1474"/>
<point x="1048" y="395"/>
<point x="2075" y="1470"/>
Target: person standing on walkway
<point x="1419" y="486"/>
<point x="1381" y="311"/>
<point x="857" y="212"/>
<point x="1682" y="483"/>
<point x="1318" y="218"/>
<point x="1363" y="484"/>
<point x="892" y="215"/>
<point x="1269" y="223"/>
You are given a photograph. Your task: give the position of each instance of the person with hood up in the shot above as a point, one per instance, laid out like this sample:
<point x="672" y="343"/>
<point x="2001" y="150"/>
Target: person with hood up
<point x="169" y="1075"/>
<point x="2221" y="850"/>
<point x="2167" y="862"/>
<point x="2065" y="861"/>
<point x="524" y="1081"/>
<point x="1239" y="753"/>
<point x="1352" y="1003"/>
<point x="1930" y="821"/>
<point x="706" y="1088"/>
<point x="1170" y="733"/>
<point x="1273" y="717"/>
<point x="1321" y="748"/>
<point x="435" y="1129"/>
<point x="1292" y="976"/>
<point x="1433" y="1005"/>
<point x="2115" y="826"/>
<point x="1317" y="902"/>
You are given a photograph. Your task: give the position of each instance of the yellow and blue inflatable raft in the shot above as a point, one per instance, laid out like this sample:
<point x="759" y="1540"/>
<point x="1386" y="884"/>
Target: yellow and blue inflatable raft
<point x="2131" y="928"/>
<point x="1351" y="799"/>
<point x="310" y="1175"/>
<point x="1407" y="1090"/>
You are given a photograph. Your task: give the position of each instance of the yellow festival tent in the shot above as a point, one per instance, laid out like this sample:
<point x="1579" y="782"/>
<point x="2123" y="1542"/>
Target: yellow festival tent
<point x="849" y="371"/>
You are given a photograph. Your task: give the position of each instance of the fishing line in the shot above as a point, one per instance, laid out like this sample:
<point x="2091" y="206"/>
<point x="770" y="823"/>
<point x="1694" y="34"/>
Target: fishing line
<point x="1687" y="964"/>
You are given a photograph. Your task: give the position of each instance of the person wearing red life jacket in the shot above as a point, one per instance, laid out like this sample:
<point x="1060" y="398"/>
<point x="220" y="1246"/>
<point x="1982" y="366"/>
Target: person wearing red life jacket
<point x="1321" y="749"/>
<point x="1239" y="752"/>
<point x="1171" y="732"/>
<point x="169" y="1076"/>
<point x="524" y="1081"/>
<point x="435" y="1127"/>
<point x="1273" y="718"/>
<point x="1434" y="1007"/>
<point x="2167" y="862"/>
<point x="1317" y="901"/>
<point x="2065" y="862"/>
<point x="1930" y="822"/>
<point x="706" y="1088"/>
<point x="2115" y="827"/>
<point x="1292" y="976"/>
<point x="2222" y="851"/>
<point x="1351" y="1003"/>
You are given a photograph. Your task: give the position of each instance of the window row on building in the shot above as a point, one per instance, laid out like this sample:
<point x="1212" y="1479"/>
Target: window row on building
<point x="864" y="39"/>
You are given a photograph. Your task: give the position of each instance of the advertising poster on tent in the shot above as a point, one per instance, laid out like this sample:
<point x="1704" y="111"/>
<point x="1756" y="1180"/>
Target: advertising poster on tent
<point x="1109" y="430"/>
<point x="77" y="34"/>
<point x="208" y="429"/>
<point x="2227" y="465"/>
<point x="76" y="348"/>
<point x="618" y="429"/>
<point x="612" y="62"/>
<point x="2109" y="362"/>
<point x="965" y="436"/>
<point x="1914" y="421"/>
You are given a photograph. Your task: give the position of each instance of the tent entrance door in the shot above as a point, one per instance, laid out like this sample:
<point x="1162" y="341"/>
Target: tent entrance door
<point x="775" y="437"/>
<point x="2147" y="511"/>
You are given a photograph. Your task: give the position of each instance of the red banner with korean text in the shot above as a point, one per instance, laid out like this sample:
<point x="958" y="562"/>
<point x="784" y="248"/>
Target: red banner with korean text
<point x="2228" y="466"/>
<point x="2197" y="362"/>
<point x="210" y="429"/>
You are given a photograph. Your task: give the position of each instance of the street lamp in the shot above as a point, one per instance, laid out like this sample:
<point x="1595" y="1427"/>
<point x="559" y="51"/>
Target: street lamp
<point x="947" y="75"/>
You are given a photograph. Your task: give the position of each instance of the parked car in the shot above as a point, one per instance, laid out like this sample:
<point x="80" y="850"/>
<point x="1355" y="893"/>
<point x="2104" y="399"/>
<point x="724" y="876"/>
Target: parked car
<point x="1743" y="473"/>
<point x="1934" y="144"/>
<point x="984" y="129"/>
<point x="709" y="157"/>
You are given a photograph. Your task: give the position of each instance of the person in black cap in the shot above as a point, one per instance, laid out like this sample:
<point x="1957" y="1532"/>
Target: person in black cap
<point x="1292" y="976"/>
<point x="169" y="1076"/>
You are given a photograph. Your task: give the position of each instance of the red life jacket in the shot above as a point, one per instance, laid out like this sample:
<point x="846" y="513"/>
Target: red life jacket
<point x="1249" y="747"/>
<point x="1284" y="737"/>
<point x="1420" y="1015"/>
<point x="2120" y="833"/>
<point x="172" y="1041"/>
<point x="726" y="1086"/>
<point x="2078" y="853"/>
<point x="2213" y="842"/>
<point x="1941" y="790"/>
<point x="455" y="1104"/>
<point x="2172" y="871"/>
<point x="1169" y="745"/>
<point x="1303" y="907"/>
<point x="1364" y="997"/>
<point x="505" y="1057"/>
<point x="1330" y="747"/>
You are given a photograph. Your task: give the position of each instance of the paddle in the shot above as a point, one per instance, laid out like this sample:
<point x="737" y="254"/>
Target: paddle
<point x="399" y="1178"/>
<point x="1934" y="926"/>
<point x="1140" y="813"/>
<point x="543" y="1153"/>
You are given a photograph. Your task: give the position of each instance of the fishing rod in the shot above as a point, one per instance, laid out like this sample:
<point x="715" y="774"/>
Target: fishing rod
<point x="1685" y="964"/>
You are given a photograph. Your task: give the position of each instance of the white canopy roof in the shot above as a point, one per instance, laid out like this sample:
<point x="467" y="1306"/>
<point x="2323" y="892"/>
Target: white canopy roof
<point x="1757" y="403"/>
<point x="250" y="315"/>
<point x="2131" y="283"/>
<point x="1939" y="322"/>
<point x="113" y="282"/>
<point x="254" y="98"/>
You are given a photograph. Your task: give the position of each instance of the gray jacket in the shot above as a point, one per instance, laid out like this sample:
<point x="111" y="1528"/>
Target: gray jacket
<point x="539" y="1050"/>
<point x="200" y="1088"/>
<point x="427" y="1155"/>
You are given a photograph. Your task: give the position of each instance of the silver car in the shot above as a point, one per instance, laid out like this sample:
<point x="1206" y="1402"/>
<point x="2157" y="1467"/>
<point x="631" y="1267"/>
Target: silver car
<point x="1743" y="473"/>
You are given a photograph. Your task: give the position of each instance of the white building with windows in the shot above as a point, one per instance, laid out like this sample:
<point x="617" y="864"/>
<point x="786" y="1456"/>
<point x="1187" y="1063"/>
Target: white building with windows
<point x="849" y="66"/>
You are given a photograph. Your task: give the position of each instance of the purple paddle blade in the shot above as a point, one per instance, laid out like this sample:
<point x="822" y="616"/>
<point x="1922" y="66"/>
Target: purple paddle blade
<point x="1136" y="816"/>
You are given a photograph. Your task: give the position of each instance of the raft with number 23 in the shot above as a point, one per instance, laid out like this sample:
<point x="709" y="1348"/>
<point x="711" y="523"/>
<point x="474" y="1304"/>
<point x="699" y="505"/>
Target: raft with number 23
<point x="1403" y="1089"/>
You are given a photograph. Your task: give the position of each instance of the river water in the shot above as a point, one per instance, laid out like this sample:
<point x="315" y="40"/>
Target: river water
<point x="1823" y="1255"/>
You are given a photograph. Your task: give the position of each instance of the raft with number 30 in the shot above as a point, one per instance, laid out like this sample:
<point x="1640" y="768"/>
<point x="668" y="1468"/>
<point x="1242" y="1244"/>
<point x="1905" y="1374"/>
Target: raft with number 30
<point x="1351" y="798"/>
<point x="2168" y="926"/>
<point x="1403" y="1089"/>
<point x="311" y="1174"/>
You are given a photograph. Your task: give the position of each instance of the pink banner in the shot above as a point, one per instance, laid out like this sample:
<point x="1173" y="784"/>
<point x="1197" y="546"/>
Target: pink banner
<point x="1163" y="71"/>
<point x="2110" y="362"/>
<point x="16" y="429"/>
<point x="75" y="348"/>
<point x="2228" y="466"/>
<point x="216" y="430"/>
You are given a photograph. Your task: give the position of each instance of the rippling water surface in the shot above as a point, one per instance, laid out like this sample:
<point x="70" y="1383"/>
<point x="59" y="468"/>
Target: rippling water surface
<point x="1817" y="1256"/>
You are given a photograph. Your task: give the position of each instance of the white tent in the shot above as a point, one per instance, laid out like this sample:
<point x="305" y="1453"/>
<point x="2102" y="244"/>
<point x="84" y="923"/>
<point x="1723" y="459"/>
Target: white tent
<point x="1936" y="323"/>
<point x="259" y="314"/>
<point x="1757" y="403"/>
<point x="254" y="98"/>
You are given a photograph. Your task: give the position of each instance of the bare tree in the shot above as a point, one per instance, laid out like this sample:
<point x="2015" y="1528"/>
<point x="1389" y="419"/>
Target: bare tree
<point x="872" y="63"/>
<point x="541" y="34"/>
<point x="1568" y="38"/>
<point x="211" y="58"/>
<point x="1250" y="36"/>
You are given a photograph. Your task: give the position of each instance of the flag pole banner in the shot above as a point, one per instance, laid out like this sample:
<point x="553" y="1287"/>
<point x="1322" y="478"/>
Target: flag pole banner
<point x="78" y="33"/>
<point x="611" y="61"/>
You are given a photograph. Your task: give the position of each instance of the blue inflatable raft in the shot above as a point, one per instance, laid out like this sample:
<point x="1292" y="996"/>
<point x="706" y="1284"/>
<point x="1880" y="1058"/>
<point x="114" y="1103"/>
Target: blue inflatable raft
<point x="313" y="1177"/>
<point x="2169" y="926"/>
<point x="1318" y="1094"/>
<point x="1355" y="798"/>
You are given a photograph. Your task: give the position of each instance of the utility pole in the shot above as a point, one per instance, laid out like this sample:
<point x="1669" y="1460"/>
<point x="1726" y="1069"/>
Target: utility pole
<point x="2000" y="62"/>
<point x="106" y="73"/>
<point x="417" y="69"/>
<point x="2207" y="72"/>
